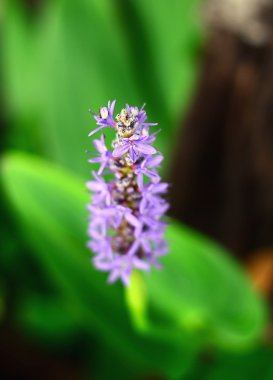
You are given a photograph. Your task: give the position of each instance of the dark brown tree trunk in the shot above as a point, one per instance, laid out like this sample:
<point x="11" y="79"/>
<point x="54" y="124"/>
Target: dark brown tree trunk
<point x="222" y="171"/>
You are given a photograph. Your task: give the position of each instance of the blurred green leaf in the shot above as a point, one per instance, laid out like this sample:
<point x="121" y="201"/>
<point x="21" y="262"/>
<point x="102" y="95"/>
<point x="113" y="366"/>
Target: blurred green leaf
<point x="201" y="293"/>
<point x="77" y="55"/>
<point x="206" y="292"/>
<point x="173" y="38"/>
<point x="195" y="292"/>
<point x="21" y="60"/>
<point x="51" y="206"/>
<point x="23" y="82"/>
<point x="46" y="317"/>
<point x="254" y="365"/>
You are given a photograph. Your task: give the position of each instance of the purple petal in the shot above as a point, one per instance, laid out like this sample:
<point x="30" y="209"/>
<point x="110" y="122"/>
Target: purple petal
<point x="141" y="117"/>
<point x="98" y="228"/>
<point x="117" y="220"/>
<point x="112" y="106"/>
<point x="132" y="152"/>
<point x="100" y="146"/>
<point x="140" y="180"/>
<point x="96" y="176"/>
<point x="108" y="199"/>
<point x="103" y="265"/>
<point x="120" y="150"/>
<point x="148" y="125"/>
<point x="97" y="129"/>
<point x="132" y="220"/>
<point x="102" y="167"/>
<point x="125" y="277"/>
<point x="133" y="249"/>
<point x="95" y="160"/>
<point x="145" y="244"/>
<point x="148" y="139"/>
<point x="154" y="262"/>
<point x="154" y="161"/>
<point x="142" y="206"/>
<point x="140" y="264"/>
<point x="152" y="175"/>
<point x="93" y="185"/>
<point x="161" y="188"/>
<point x="146" y="149"/>
<point x="114" y="275"/>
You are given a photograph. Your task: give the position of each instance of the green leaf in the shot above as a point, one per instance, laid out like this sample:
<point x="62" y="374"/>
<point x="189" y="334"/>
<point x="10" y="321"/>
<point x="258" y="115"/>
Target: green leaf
<point x="23" y="82"/>
<point x="253" y="365"/>
<point x="51" y="207"/>
<point x="46" y="318"/>
<point x="201" y="297"/>
<point x="21" y="60"/>
<point x="173" y="36"/>
<point x="77" y="55"/>
<point x="206" y="292"/>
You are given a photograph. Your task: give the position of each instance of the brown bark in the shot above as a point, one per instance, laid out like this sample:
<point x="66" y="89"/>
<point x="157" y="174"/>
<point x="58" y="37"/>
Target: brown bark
<point x="222" y="171"/>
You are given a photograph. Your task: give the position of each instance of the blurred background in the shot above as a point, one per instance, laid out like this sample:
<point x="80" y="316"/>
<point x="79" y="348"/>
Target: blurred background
<point x="205" y="71"/>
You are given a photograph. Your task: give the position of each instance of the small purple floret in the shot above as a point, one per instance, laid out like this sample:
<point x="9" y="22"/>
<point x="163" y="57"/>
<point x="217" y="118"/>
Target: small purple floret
<point x="126" y="229"/>
<point x="137" y="146"/>
<point x="105" y="117"/>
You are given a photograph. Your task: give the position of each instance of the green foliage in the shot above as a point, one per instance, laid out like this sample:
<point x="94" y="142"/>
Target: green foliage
<point x="254" y="365"/>
<point x="46" y="318"/>
<point x="204" y="291"/>
<point x="176" y="311"/>
<point x="79" y="54"/>
<point x="51" y="205"/>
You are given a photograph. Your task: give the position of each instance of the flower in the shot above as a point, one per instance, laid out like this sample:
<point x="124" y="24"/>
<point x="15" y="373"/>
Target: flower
<point x="105" y="117"/>
<point x="125" y="224"/>
<point x="101" y="189"/>
<point x="151" y="194"/>
<point x="120" y="267"/>
<point x="104" y="154"/>
<point x="143" y="169"/>
<point x="102" y="245"/>
<point x="141" y="117"/>
<point x="136" y="146"/>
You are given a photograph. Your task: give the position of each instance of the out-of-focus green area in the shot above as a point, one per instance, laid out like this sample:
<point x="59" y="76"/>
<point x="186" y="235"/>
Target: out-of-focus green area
<point x="76" y="55"/>
<point x="60" y="58"/>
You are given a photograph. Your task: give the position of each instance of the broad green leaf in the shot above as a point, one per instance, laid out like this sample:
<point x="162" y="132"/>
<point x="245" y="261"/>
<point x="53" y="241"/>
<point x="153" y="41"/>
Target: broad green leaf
<point x="51" y="207"/>
<point x="88" y="46"/>
<point x="201" y="291"/>
<point x="22" y="85"/>
<point x="206" y="292"/>
<point x="21" y="60"/>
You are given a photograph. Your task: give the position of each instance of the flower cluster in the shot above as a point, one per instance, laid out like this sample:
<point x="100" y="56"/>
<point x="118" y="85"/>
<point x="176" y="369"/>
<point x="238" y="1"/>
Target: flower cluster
<point x="125" y="226"/>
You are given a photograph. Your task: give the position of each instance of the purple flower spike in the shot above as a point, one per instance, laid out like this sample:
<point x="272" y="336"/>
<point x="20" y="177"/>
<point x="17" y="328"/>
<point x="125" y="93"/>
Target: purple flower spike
<point x="125" y="224"/>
